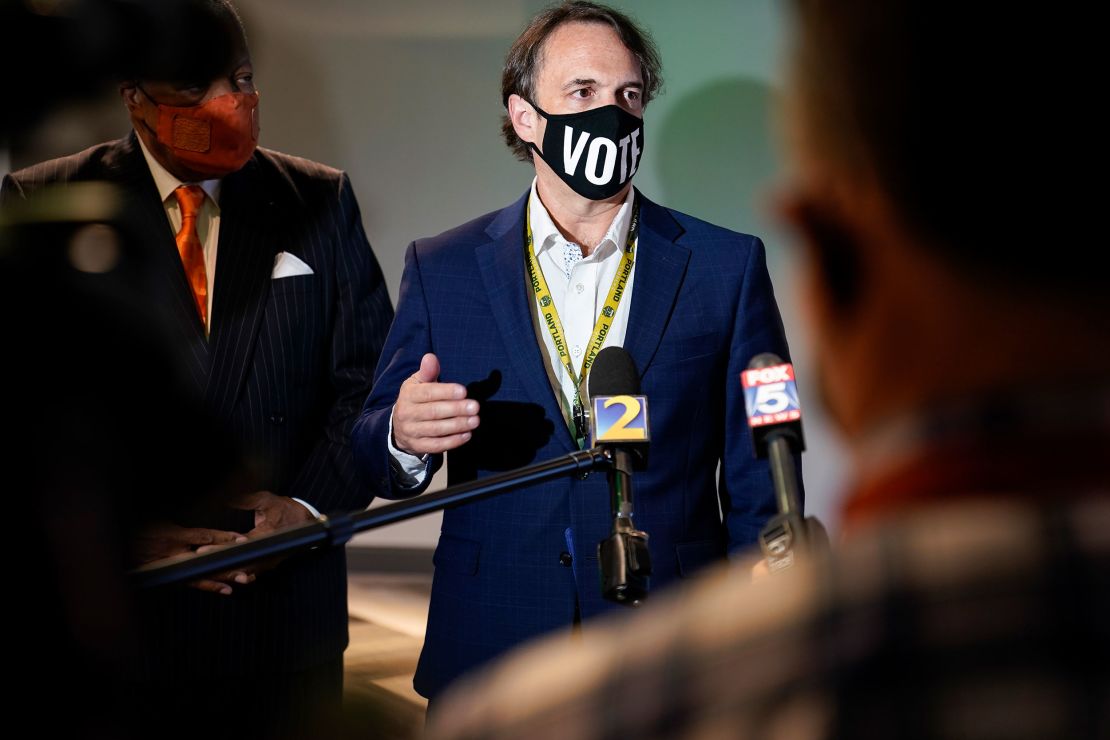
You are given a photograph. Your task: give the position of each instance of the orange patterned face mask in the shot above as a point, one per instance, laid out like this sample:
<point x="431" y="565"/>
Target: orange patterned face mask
<point x="215" y="138"/>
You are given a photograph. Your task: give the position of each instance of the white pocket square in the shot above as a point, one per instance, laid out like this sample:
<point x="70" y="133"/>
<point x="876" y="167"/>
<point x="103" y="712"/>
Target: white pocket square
<point x="287" y="264"/>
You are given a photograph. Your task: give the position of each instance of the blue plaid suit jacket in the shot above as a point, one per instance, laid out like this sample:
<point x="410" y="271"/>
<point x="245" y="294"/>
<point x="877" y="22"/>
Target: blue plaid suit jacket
<point x="702" y="307"/>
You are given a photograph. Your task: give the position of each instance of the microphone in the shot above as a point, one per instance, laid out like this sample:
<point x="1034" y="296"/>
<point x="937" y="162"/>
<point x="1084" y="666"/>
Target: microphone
<point x="619" y="425"/>
<point x="775" y="422"/>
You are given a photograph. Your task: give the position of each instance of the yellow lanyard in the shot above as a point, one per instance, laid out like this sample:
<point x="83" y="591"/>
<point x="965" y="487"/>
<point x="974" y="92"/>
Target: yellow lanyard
<point x="608" y="311"/>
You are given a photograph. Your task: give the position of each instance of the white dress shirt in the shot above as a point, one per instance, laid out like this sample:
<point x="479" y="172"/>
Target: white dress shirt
<point x="208" y="231"/>
<point x="579" y="287"/>
<point x="208" y="220"/>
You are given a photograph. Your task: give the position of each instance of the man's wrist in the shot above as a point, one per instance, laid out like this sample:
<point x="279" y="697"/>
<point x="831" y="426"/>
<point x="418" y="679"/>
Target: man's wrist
<point x="309" y="507"/>
<point x="423" y="457"/>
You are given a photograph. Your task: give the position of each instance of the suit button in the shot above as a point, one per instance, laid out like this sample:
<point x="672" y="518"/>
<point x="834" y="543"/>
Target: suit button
<point x="584" y="475"/>
<point x="277" y="419"/>
<point x="565" y="559"/>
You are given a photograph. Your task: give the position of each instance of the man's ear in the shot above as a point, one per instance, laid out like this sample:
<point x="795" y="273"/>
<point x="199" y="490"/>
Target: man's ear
<point x="131" y="95"/>
<point x="525" y="120"/>
<point x="833" y="249"/>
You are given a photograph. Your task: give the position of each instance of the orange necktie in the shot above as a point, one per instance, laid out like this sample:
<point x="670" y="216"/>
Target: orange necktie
<point x="191" y="198"/>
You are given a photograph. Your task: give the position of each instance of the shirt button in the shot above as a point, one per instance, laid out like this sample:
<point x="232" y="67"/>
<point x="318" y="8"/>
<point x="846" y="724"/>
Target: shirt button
<point x="577" y="351"/>
<point x="580" y="287"/>
<point x="565" y="559"/>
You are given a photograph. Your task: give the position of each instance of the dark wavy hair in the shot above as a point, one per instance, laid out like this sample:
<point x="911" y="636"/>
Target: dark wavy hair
<point x="523" y="59"/>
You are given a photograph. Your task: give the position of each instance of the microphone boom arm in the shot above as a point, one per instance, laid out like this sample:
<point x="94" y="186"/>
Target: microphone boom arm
<point x="336" y="531"/>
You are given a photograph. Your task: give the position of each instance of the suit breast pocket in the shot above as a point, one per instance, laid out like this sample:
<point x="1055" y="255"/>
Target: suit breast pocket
<point x="295" y="284"/>
<point x="294" y="301"/>
<point x="685" y="348"/>
<point x="295" y="325"/>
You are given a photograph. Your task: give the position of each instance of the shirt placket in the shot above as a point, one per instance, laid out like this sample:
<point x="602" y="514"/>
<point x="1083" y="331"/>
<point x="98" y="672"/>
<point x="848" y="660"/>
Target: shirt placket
<point x="580" y="299"/>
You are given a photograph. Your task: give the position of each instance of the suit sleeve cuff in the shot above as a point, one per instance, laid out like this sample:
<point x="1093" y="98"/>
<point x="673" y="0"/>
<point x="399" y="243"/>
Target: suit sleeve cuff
<point x="409" y="471"/>
<point x="311" y="509"/>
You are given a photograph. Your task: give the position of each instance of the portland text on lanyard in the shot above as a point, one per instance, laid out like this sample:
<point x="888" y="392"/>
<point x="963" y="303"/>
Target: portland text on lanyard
<point x="550" y="314"/>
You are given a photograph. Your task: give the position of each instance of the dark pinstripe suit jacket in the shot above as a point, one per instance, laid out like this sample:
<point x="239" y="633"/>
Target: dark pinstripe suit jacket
<point x="701" y="307"/>
<point x="286" y="368"/>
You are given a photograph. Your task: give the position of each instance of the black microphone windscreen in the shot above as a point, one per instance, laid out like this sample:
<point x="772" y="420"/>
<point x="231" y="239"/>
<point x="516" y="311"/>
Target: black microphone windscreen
<point x="766" y="359"/>
<point x="613" y="373"/>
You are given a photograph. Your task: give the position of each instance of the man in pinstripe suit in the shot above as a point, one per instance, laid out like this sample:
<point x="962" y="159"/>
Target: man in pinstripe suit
<point x="270" y="293"/>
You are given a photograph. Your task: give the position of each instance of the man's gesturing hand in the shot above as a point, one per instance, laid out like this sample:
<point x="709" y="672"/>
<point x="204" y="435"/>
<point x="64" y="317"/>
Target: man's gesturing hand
<point x="429" y="416"/>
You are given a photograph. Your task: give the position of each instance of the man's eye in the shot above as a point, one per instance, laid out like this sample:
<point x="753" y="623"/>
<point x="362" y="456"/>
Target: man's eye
<point x="582" y="92"/>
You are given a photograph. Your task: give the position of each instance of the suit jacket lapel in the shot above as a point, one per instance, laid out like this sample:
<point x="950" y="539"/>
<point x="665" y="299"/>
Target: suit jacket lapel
<point x="244" y="263"/>
<point x="128" y="169"/>
<point x="501" y="263"/>
<point x="660" y="269"/>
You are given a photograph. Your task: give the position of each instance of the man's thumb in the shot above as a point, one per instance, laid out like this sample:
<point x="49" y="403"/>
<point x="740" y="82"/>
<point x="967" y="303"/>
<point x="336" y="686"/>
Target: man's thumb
<point x="429" y="369"/>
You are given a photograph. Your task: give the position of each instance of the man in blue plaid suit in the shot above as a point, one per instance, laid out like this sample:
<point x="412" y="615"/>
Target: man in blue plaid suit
<point x="470" y="367"/>
<point x="970" y="374"/>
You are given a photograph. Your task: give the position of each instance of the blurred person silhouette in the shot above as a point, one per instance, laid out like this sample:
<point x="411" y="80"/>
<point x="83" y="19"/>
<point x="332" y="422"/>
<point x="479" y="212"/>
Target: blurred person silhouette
<point x="256" y="265"/>
<point x="87" y="377"/>
<point x="948" y="251"/>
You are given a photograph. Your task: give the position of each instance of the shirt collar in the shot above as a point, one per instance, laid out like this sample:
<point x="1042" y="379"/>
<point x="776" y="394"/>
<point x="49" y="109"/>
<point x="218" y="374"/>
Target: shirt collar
<point x="167" y="183"/>
<point x="545" y="234"/>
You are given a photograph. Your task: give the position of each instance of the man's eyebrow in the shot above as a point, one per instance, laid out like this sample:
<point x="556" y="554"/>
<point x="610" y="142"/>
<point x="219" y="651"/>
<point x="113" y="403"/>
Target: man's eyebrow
<point x="589" y="81"/>
<point x="579" y="81"/>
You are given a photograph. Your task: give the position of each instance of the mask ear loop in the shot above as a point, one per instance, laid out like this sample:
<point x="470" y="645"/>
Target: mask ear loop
<point x="153" y="132"/>
<point x="148" y="96"/>
<point x="543" y="113"/>
<point x="539" y="110"/>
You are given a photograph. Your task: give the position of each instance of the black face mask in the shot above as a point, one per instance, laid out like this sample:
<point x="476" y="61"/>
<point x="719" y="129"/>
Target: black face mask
<point x="595" y="152"/>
